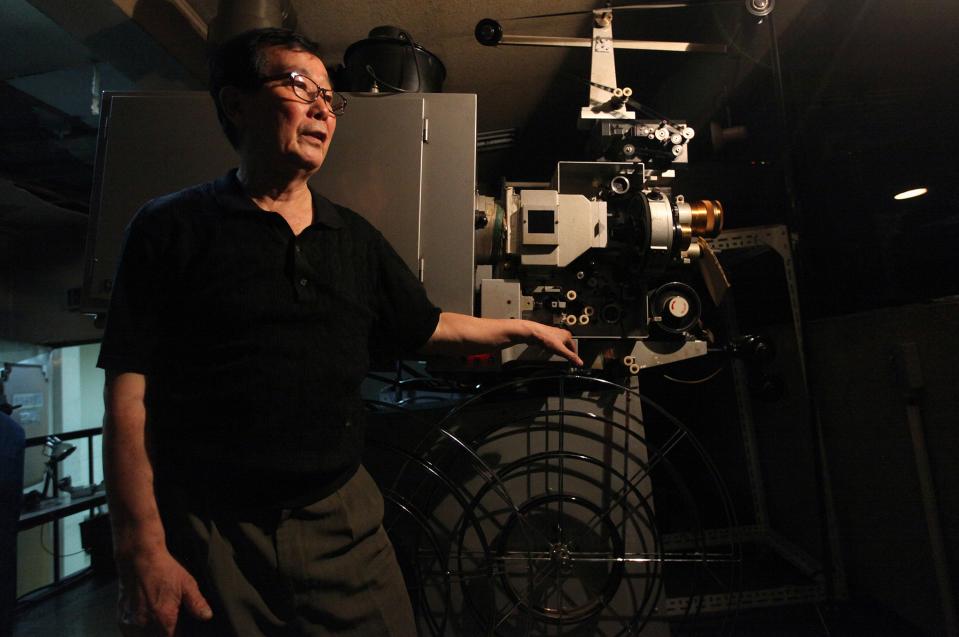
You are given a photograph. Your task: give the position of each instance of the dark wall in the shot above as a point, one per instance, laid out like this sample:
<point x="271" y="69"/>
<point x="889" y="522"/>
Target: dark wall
<point x="875" y="482"/>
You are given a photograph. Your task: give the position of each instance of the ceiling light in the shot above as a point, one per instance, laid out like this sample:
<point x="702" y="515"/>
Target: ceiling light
<point x="909" y="194"/>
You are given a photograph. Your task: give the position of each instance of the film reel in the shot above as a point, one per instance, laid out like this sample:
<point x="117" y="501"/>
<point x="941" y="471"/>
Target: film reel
<point x="551" y="506"/>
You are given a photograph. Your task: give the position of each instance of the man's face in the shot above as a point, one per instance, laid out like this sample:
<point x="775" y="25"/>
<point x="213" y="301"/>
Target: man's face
<point x="277" y="124"/>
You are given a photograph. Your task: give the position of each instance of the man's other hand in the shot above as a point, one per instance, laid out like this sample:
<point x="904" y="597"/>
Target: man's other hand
<point x="153" y="588"/>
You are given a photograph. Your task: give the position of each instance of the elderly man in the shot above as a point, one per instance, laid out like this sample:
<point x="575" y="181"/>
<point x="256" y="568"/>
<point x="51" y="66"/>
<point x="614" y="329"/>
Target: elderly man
<point x="243" y="317"/>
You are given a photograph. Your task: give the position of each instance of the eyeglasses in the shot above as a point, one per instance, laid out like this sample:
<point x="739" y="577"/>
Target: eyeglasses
<point x="309" y="91"/>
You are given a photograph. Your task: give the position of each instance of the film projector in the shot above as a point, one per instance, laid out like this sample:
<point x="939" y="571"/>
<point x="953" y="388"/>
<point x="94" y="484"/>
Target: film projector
<point x="542" y="504"/>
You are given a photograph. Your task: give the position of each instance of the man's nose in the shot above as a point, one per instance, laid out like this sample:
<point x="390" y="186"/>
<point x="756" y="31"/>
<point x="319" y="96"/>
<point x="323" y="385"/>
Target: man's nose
<point x="319" y="109"/>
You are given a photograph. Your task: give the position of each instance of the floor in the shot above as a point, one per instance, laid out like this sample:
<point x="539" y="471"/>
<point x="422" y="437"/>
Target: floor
<point x="87" y="609"/>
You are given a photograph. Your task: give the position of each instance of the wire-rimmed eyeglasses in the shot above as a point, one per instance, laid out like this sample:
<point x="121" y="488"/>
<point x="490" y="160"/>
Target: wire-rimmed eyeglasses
<point x="309" y="91"/>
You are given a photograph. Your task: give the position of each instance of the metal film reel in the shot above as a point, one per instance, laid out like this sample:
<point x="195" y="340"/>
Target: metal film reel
<point x="548" y="506"/>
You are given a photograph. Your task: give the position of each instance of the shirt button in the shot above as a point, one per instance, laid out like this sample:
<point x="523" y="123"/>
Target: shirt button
<point x="303" y="282"/>
<point x="297" y="248"/>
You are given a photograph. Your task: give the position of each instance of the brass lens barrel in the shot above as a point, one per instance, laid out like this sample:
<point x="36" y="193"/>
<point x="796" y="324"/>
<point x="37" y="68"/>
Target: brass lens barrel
<point x="707" y="218"/>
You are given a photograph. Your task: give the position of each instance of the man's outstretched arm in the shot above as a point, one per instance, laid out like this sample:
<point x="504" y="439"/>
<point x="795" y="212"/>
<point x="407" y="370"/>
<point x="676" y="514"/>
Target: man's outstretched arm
<point x="459" y="334"/>
<point x="153" y="585"/>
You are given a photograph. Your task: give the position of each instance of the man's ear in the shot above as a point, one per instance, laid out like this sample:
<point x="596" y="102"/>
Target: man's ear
<point x="232" y="103"/>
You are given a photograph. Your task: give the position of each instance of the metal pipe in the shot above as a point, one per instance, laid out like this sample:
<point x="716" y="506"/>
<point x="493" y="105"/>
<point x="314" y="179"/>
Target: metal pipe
<point x="191" y="16"/>
<point x="642" y="45"/>
<point x="236" y="16"/>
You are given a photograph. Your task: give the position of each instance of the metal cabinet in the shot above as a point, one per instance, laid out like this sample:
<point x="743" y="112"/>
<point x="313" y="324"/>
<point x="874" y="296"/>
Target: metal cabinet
<point x="407" y="162"/>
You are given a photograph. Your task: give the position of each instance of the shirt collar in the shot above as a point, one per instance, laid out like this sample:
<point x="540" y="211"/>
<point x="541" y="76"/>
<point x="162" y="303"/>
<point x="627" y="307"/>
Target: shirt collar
<point x="231" y="197"/>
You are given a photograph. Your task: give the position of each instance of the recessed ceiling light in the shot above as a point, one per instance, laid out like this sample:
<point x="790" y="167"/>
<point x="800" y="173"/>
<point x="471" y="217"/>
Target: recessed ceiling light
<point x="909" y="194"/>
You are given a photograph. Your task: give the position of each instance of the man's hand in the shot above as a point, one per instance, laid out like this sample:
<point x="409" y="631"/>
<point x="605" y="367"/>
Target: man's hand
<point x="153" y="585"/>
<point x="153" y="588"/>
<point x="460" y="334"/>
<point x="554" y="339"/>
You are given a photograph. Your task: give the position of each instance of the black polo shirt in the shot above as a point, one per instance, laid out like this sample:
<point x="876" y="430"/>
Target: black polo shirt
<point x="255" y="341"/>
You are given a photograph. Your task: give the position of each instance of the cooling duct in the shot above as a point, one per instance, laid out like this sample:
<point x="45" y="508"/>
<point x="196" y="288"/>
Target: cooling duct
<point x="233" y="17"/>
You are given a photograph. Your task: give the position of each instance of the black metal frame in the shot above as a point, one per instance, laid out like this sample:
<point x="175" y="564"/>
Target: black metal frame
<point x="32" y="519"/>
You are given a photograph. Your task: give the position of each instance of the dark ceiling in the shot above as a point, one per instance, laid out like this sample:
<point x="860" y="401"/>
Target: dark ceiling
<point x="865" y="110"/>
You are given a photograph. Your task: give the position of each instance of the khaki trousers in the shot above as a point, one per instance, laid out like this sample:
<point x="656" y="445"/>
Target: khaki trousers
<point x="324" y="569"/>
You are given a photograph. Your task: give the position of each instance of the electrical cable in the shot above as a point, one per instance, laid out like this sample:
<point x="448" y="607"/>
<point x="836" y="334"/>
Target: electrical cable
<point x="419" y="82"/>
<point x="416" y="62"/>
<point x="378" y="81"/>
<point x="49" y="552"/>
<point x="699" y="381"/>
